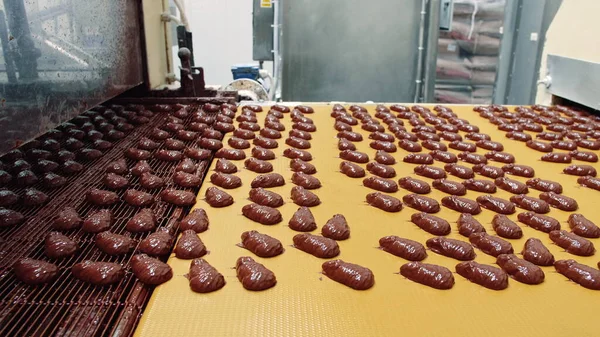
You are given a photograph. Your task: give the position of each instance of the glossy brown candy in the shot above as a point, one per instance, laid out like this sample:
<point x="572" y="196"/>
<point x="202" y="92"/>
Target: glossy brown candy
<point x="344" y="144"/>
<point x="544" y="185"/>
<point x="178" y="197"/>
<point x="33" y="197"/>
<point x="262" y="153"/>
<point x="348" y="274"/>
<point x="26" y="178"/>
<point x="138" y="198"/>
<point x="262" y="214"/>
<point x="519" y="170"/>
<point x="384" y="202"/>
<point x="490" y="245"/>
<point x="186" y="165"/>
<point x="539" y="222"/>
<point x="149" y="270"/>
<point x="380" y="184"/>
<point x="506" y="228"/>
<point x="581" y="274"/>
<point x="8" y="198"/>
<point x="300" y="134"/>
<point x="298" y="165"/>
<point x="115" y="181"/>
<point x="468" y="225"/>
<point x="67" y="219"/>
<point x="341" y="125"/>
<point x="489" y="145"/>
<point x="445" y="135"/>
<point x="98" y="273"/>
<point x="384" y="158"/>
<point x="101" y="197"/>
<point x="462" y="146"/>
<point x="552" y="136"/>
<point x="224" y="180"/>
<point x="560" y="201"/>
<point x="336" y="228"/>
<point x="271" y="133"/>
<point x="445" y="157"/>
<point x="431" y="224"/>
<point x="253" y="275"/>
<point x="168" y="155"/>
<point x="33" y="272"/>
<point x="258" y="166"/>
<point x="580" y="170"/>
<point x="555" y="157"/>
<point x="414" y="185"/>
<point x="307" y="181"/>
<point x="261" y="244"/>
<point x="582" y="226"/>
<point x="354" y="156"/>
<point x="384" y="137"/>
<point x="495" y="204"/>
<point x="225" y="166"/>
<point x="238" y="143"/>
<point x="157" y="244"/>
<point x="563" y="145"/>
<point x="584" y="156"/>
<point x="421" y="203"/>
<point x="58" y="246"/>
<point x="189" y="246"/>
<point x="266" y="143"/>
<point x="404" y="248"/>
<point x="42" y="166"/>
<point x="501" y="157"/>
<point x="531" y="203"/>
<point x="410" y="146"/>
<point x="484" y="275"/>
<point x="303" y="197"/>
<point x="512" y="186"/>
<point x="143" y="221"/>
<point x="217" y="198"/>
<point x="385" y="146"/>
<point x="299" y="154"/>
<point x="449" y="186"/>
<point x="230" y="154"/>
<point x="535" y="252"/>
<point x="174" y="144"/>
<point x="316" y="245"/>
<point x="244" y="134"/>
<point x="478" y="185"/>
<point x="381" y="170"/>
<point x="52" y="180"/>
<point x="151" y="181"/>
<point x="459" y="171"/>
<point x="98" y="222"/>
<point x="352" y="170"/>
<point x="472" y="158"/>
<point x="431" y="275"/>
<point x="298" y="143"/>
<point x="418" y="158"/>
<point x="268" y="180"/>
<point x="539" y="146"/>
<point x="588" y="144"/>
<point x="452" y="248"/>
<point x="590" y="182"/>
<point x="265" y="197"/>
<point x="198" y="154"/>
<point x="520" y="136"/>
<point x="461" y="205"/>
<point x="114" y="244"/>
<point x="572" y="243"/>
<point x="137" y="154"/>
<point x="430" y="171"/>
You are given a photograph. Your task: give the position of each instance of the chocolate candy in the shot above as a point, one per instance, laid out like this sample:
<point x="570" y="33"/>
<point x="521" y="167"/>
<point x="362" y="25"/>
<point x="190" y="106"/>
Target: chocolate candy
<point x="521" y="270"/>
<point x="520" y="136"/>
<point x="431" y="223"/>
<point x="531" y="204"/>
<point x="262" y="214"/>
<point x="418" y="158"/>
<point x="590" y="182"/>
<point x="224" y="180"/>
<point x="158" y="243"/>
<point x="506" y="228"/>
<point x="352" y="170"/>
<point x="572" y="243"/>
<point x="261" y="244"/>
<point x="580" y="170"/>
<point x="351" y="275"/>
<point x="299" y="154"/>
<point x="539" y="146"/>
<point x="307" y="181"/>
<point x="559" y="201"/>
<point x="52" y="180"/>
<point x="217" y="198"/>
<point x="58" y="246"/>
<point x="446" y="135"/>
<point x="303" y="220"/>
<point x="210" y="143"/>
<point x="33" y="272"/>
<point x="445" y="157"/>
<point x="484" y="186"/>
<point x="431" y="275"/>
<point x="67" y="219"/>
<point x="174" y="144"/>
<point x="101" y="197"/>
<point x="404" y="248"/>
<point x="225" y="166"/>
<point x="265" y="142"/>
<point x="231" y="154"/>
<point x="582" y="226"/>
<point x="381" y="136"/>
<point x="544" y="185"/>
<point x="344" y="144"/>
<point x="8" y="198"/>
<point x="143" y="221"/>
<point x="262" y="153"/>
<point x="253" y="275"/>
<point x="150" y="181"/>
<point x="512" y="186"/>
<point x="459" y="171"/>
<point x="186" y="165"/>
<point x="461" y="205"/>
<point x="497" y="205"/>
<point x="178" y="197"/>
<point x="114" y="181"/>
<point x="519" y="170"/>
<point x="189" y="246"/>
<point x="354" y="156"/>
<point x="490" y="245"/>
<point x="98" y="273"/>
<point x="539" y="222"/>
<point x="484" y="275"/>
<point x="462" y="146"/>
<point x="351" y="136"/>
<point x="114" y="244"/>
<point x="137" y="154"/>
<point x="244" y="134"/>
<point x="149" y="270"/>
<point x="380" y="184"/>
<point x="555" y="157"/>
<point x="452" y="248"/>
<point x="117" y="167"/>
<point x="535" y="252"/>
<point x="336" y="228"/>
<point x="238" y="143"/>
<point x="409" y="145"/>
<point x="414" y="185"/>
<point x="449" y="186"/>
<point x="272" y="133"/>
<point x="26" y="178"/>
<point x="268" y="180"/>
<point x="384" y="202"/>
<point x="472" y="158"/>
<point x="421" y="203"/>
<point x="552" y="136"/>
<point x="468" y="225"/>
<point x="584" y="156"/>
<point x="342" y="126"/>
<point x="315" y="245"/>
<point x="588" y="144"/>
<point x="581" y="274"/>
<point x="303" y="197"/>
<point x="138" y="198"/>
<point x="430" y="172"/>
<point x="198" y="154"/>
<point x="381" y="145"/>
<point x="563" y="145"/>
<point x="384" y="158"/>
<point x="33" y="197"/>
<point x="300" y="134"/>
<point x="501" y="157"/>
<point x="265" y="197"/>
<point x="489" y="145"/>
<point x="381" y="170"/>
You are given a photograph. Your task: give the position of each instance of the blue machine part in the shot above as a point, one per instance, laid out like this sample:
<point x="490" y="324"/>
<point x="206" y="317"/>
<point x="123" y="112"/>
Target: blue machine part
<point x="249" y="71"/>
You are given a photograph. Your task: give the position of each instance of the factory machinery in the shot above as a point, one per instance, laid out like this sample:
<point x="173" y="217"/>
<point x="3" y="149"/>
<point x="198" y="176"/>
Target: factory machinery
<point x="184" y="212"/>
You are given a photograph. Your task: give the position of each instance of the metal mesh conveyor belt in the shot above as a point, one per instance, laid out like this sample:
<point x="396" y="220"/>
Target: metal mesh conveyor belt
<point x="68" y="307"/>
<point x="306" y="303"/>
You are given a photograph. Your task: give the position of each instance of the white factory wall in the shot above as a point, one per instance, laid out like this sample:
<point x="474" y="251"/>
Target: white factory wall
<point x="222" y="36"/>
<point x="573" y="33"/>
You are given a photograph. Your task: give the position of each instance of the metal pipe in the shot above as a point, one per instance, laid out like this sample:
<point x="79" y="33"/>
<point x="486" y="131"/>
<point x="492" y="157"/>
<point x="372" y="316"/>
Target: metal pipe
<point x="11" y="72"/>
<point x="430" y="59"/>
<point x="419" y="75"/>
<point x="276" y="60"/>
